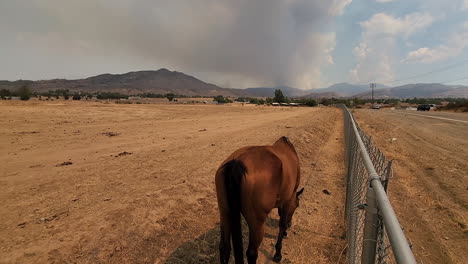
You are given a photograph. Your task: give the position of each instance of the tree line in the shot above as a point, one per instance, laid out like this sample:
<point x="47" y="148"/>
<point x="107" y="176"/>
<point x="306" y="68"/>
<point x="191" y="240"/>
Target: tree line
<point x="25" y="93"/>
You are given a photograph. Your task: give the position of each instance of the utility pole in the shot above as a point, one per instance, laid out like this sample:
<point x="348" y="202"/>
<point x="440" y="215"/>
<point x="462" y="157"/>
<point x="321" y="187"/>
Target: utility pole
<point x="372" y="85"/>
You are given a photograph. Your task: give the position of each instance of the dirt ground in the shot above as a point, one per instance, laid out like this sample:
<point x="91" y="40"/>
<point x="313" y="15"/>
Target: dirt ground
<point x="429" y="190"/>
<point x="86" y="182"/>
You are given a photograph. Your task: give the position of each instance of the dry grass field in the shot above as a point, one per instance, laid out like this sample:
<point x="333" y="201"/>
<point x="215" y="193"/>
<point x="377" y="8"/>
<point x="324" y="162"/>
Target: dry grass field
<point x="87" y="182"/>
<point x="429" y="190"/>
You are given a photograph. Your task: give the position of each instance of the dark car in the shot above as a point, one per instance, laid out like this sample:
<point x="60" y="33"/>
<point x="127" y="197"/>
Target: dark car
<point x="424" y="107"/>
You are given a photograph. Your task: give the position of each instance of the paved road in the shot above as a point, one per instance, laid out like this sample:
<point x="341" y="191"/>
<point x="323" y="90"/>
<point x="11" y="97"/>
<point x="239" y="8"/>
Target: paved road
<point x="448" y="116"/>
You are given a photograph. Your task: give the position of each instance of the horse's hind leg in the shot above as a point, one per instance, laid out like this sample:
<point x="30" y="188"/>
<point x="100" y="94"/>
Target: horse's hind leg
<point x="225" y="243"/>
<point x="256" y="232"/>
<point x="279" y="213"/>
<point x="283" y="225"/>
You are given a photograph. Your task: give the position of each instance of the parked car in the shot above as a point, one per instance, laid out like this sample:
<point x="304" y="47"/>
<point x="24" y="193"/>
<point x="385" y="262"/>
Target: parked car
<point x="424" y="107"/>
<point x="376" y="107"/>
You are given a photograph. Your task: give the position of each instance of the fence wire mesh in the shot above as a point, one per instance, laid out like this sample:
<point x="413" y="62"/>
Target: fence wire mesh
<point x="365" y="231"/>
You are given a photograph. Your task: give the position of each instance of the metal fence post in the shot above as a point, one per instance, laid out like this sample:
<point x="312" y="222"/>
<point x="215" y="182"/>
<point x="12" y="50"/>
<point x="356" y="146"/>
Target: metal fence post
<point x="370" y="229"/>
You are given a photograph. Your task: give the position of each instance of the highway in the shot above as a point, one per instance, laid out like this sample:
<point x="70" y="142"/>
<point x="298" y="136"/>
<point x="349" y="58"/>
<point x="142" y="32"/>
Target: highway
<point x="448" y="116"/>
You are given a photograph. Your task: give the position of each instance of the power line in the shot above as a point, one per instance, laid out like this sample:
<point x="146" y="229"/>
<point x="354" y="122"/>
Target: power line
<point x="426" y="73"/>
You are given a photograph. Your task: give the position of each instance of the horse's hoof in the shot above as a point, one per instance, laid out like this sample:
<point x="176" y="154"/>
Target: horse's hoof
<point x="277" y="258"/>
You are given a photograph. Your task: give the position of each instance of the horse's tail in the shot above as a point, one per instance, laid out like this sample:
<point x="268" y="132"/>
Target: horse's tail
<point x="234" y="172"/>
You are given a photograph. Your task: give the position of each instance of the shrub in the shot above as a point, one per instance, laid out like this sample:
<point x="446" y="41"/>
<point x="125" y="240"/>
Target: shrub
<point x="221" y="99"/>
<point x="101" y="96"/>
<point x="170" y="97"/>
<point x="5" y="93"/>
<point x="310" y="102"/>
<point x="253" y="100"/>
<point x="460" y="106"/>
<point x="76" y="97"/>
<point x="24" y="92"/>
<point x="306" y="101"/>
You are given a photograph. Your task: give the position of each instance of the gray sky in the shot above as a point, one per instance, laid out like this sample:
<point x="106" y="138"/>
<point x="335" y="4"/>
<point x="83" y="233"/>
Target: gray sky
<point x="237" y="43"/>
<point x="232" y="43"/>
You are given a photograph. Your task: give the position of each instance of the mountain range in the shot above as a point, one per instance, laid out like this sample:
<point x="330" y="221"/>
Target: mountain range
<point x="161" y="81"/>
<point x="164" y="81"/>
<point x="425" y="90"/>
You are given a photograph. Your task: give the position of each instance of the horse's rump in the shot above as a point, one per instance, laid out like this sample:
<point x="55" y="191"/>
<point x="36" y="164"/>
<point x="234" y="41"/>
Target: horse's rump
<point x="252" y="181"/>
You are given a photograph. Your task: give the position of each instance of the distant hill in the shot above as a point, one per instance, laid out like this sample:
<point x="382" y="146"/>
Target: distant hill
<point x="270" y="91"/>
<point x="335" y="90"/>
<point x="164" y="81"/>
<point x="420" y="90"/>
<point x="161" y="81"/>
<point x="343" y="89"/>
<point x="322" y="95"/>
<point x="457" y="92"/>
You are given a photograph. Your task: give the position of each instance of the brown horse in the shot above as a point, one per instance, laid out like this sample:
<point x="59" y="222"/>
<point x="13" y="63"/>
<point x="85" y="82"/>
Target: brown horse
<point x="252" y="181"/>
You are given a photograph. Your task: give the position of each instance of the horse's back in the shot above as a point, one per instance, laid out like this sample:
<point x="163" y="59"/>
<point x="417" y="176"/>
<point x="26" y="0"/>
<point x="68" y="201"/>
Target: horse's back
<point x="271" y="175"/>
<point x="263" y="179"/>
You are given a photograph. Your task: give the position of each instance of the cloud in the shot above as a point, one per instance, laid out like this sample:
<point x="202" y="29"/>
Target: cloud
<point x="382" y="24"/>
<point x="372" y="68"/>
<point x="243" y="43"/>
<point x="377" y="49"/>
<point x="338" y="6"/>
<point x="453" y="47"/>
<point x="464" y="5"/>
<point x="316" y="50"/>
<point x="384" y="1"/>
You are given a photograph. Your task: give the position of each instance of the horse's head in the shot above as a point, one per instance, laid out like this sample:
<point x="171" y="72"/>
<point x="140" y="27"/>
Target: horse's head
<point x="294" y="206"/>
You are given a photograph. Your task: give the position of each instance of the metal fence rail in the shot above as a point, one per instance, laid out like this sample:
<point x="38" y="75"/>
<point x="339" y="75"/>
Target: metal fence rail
<point x="373" y="232"/>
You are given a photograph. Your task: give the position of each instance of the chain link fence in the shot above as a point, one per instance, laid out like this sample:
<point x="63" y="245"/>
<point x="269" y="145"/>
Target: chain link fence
<point x="372" y="229"/>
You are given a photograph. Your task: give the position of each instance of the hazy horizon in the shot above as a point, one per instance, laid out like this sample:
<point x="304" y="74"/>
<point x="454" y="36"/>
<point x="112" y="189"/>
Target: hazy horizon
<point x="273" y="86"/>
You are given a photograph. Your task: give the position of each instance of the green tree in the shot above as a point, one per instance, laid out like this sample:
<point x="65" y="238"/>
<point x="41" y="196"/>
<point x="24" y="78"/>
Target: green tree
<point x="24" y="92"/>
<point x="279" y="97"/>
<point x="107" y="95"/>
<point x="253" y="100"/>
<point x="170" y="97"/>
<point x="221" y="99"/>
<point x="4" y="93"/>
<point x="242" y="99"/>
<point x="310" y="102"/>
